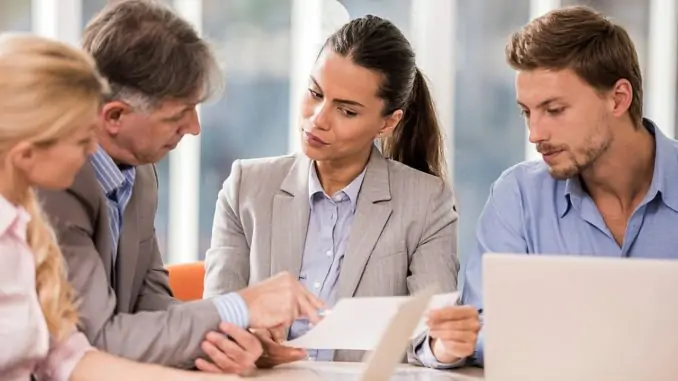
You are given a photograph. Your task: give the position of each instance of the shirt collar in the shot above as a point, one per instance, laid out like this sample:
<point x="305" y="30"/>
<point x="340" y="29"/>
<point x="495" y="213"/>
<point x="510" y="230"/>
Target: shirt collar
<point x="109" y="175"/>
<point x="663" y="176"/>
<point x="665" y="167"/>
<point x="13" y="218"/>
<point x="351" y="190"/>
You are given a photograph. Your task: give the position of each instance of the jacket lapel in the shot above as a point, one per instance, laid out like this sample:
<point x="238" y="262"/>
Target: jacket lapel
<point x="372" y="213"/>
<point x="289" y="219"/>
<point x="86" y="186"/>
<point x="128" y="250"/>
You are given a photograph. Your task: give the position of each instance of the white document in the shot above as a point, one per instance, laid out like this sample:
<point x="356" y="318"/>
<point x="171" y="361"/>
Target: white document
<point x="360" y="323"/>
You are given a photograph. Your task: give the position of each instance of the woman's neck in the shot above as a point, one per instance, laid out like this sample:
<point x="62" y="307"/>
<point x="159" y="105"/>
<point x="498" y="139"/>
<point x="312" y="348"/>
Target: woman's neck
<point x="335" y="175"/>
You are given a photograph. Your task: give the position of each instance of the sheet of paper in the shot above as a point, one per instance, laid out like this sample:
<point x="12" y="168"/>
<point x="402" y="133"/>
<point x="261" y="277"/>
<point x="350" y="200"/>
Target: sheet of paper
<point x="360" y="323"/>
<point x="437" y="301"/>
<point x="391" y="346"/>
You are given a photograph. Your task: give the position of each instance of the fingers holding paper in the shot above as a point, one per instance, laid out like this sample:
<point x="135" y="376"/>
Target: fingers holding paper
<point x="453" y="331"/>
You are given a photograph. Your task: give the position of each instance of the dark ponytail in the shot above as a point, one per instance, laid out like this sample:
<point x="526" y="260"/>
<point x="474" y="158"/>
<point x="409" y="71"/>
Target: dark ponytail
<point x="417" y="141"/>
<point x="377" y="44"/>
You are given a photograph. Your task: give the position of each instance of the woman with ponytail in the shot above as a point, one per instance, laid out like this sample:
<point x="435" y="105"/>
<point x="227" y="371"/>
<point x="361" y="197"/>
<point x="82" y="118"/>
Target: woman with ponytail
<point x="345" y="217"/>
<point x="49" y="99"/>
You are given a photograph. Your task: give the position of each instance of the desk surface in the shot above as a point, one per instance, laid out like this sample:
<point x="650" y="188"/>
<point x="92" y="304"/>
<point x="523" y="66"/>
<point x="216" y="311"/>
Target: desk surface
<point x="342" y="371"/>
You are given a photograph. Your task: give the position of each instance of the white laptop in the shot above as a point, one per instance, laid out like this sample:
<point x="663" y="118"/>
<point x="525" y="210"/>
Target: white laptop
<point x="577" y="318"/>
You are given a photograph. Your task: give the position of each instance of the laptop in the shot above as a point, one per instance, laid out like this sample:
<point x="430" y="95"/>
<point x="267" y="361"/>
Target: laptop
<point x="566" y="318"/>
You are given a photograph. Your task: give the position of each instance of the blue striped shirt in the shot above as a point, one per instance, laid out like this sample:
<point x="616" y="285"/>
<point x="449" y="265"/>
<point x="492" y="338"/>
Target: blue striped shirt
<point x="117" y="184"/>
<point x="329" y="226"/>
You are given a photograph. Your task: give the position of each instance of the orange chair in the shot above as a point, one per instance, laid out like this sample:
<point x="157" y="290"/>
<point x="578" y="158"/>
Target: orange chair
<point x="187" y="280"/>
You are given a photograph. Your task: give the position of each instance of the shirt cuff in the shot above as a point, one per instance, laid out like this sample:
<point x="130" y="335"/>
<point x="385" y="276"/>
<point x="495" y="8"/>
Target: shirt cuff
<point x="428" y="359"/>
<point x="478" y="358"/>
<point x="63" y="357"/>
<point x="233" y="309"/>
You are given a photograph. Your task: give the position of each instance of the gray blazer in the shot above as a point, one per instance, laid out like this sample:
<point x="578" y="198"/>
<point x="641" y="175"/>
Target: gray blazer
<point x="127" y="310"/>
<point x="403" y="237"/>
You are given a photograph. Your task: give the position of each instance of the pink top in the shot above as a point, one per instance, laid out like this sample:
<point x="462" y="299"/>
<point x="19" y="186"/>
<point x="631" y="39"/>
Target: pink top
<point x="25" y="344"/>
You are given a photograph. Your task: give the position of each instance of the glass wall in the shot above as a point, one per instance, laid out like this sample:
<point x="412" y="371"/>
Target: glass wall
<point x="396" y="11"/>
<point x="15" y="15"/>
<point x="90" y="8"/>
<point x="251" y="119"/>
<point x="253" y="41"/>
<point x="489" y="135"/>
<point x="633" y="15"/>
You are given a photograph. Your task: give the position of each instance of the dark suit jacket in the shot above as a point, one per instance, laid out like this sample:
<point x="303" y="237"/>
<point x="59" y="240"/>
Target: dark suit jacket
<point x="127" y="310"/>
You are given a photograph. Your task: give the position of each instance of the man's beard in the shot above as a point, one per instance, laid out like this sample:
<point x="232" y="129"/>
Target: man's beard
<point x="595" y="146"/>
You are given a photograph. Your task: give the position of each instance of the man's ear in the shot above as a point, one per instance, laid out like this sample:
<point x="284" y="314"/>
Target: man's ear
<point x="622" y="97"/>
<point x="112" y="114"/>
<point x="390" y="123"/>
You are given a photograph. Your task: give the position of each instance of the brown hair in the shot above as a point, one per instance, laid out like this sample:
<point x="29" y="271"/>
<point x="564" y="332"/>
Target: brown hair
<point x="376" y="44"/>
<point x="578" y="38"/>
<point x="64" y="85"/>
<point x="143" y="48"/>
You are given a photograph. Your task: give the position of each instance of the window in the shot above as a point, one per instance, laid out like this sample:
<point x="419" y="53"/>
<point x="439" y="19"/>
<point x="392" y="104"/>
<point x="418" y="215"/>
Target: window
<point x="15" y="16"/>
<point x="90" y="8"/>
<point x="396" y="11"/>
<point x="489" y="135"/>
<point x="252" y="118"/>
<point x="633" y="15"/>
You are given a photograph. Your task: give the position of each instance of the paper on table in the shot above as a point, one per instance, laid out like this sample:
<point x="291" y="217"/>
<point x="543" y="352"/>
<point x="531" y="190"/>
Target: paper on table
<point x="359" y="323"/>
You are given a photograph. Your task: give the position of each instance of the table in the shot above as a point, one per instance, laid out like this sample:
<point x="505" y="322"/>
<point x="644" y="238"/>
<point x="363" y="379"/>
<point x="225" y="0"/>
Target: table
<point x="345" y="371"/>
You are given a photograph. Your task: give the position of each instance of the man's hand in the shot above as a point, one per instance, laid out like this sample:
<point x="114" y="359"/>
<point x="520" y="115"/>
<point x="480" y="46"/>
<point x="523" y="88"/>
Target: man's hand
<point x="278" y="301"/>
<point x="453" y="331"/>
<point x="274" y="353"/>
<point x="277" y="334"/>
<point x="235" y="355"/>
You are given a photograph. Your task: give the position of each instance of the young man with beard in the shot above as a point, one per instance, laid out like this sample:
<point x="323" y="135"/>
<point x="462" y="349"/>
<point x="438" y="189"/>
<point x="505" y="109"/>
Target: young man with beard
<point x="608" y="182"/>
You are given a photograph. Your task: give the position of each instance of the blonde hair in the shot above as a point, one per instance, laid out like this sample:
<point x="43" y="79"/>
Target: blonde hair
<point x="45" y="88"/>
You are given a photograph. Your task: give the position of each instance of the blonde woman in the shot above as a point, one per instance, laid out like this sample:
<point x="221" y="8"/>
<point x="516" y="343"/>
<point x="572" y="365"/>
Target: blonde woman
<point x="49" y="97"/>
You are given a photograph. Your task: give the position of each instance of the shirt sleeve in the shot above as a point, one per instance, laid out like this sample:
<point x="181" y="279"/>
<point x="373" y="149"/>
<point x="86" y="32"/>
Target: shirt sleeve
<point x="63" y="356"/>
<point x="499" y="230"/>
<point x="232" y="309"/>
<point x="427" y="358"/>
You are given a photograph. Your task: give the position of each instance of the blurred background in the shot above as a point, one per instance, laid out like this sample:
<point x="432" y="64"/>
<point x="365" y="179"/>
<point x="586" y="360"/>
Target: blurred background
<point x="267" y="47"/>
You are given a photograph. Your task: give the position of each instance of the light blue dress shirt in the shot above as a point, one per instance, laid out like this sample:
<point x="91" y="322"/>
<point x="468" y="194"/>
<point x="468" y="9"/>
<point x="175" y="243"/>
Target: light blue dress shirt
<point x="329" y="225"/>
<point x="530" y="212"/>
<point x="117" y="183"/>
